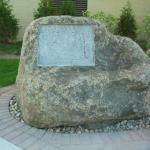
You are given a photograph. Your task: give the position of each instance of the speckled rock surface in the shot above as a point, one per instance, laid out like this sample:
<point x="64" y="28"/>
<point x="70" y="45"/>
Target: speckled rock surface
<point x="117" y="88"/>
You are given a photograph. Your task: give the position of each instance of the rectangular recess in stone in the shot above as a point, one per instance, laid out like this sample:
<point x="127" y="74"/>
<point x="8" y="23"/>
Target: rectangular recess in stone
<point x="66" y="45"/>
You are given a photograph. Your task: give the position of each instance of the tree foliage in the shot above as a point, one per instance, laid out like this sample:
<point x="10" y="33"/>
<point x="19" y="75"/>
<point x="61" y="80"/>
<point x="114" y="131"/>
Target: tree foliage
<point x="144" y="34"/>
<point x="109" y="20"/>
<point x="127" y="23"/>
<point x="146" y="27"/>
<point x="68" y="8"/>
<point x="44" y="9"/>
<point x="8" y="23"/>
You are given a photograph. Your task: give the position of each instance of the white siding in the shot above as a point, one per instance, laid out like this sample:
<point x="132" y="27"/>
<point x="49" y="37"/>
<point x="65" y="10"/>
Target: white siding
<point x="23" y="10"/>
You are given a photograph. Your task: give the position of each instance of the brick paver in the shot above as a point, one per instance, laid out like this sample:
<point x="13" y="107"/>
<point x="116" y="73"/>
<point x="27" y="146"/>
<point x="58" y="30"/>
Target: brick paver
<point x="29" y="138"/>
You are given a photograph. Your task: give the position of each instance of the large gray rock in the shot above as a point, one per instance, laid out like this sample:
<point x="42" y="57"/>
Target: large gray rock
<point x="117" y="88"/>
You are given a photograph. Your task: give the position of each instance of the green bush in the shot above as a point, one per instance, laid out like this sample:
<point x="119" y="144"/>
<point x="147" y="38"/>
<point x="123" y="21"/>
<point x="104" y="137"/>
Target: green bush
<point x="11" y="48"/>
<point x="148" y="52"/>
<point x="127" y="23"/>
<point x="45" y="8"/>
<point x="68" y="8"/>
<point x="142" y="43"/>
<point x="146" y="27"/>
<point x="144" y="34"/>
<point x="109" y="20"/>
<point x="8" y="23"/>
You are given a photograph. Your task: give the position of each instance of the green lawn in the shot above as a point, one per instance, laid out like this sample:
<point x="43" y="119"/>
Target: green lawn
<point x="13" y="48"/>
<point x="8" y="71"/>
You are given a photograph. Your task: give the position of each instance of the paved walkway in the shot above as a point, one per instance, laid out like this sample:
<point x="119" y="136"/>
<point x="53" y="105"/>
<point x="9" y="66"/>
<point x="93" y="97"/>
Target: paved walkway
<point x="28" y="138"/>
<point x="7" y="145"/>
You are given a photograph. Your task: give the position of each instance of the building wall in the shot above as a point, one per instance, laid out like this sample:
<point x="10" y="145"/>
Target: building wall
<point x="24" y="9"/>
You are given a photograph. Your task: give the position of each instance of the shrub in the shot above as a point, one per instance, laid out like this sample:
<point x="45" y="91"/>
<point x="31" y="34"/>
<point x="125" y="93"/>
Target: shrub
<point x="87" y="14"/>
<point x="8" y="23"/>
<point x="146" y="27"/>
<point x="144" y="34"/>
<point x="127" y="23"/>
<point x="142" y="43"/>
<point x="68" y="8"/>
<point x="148" y="52"/>
<point x="45" y="8"/>
<point x="11" y="48"/>
<point x="109" y="20"/>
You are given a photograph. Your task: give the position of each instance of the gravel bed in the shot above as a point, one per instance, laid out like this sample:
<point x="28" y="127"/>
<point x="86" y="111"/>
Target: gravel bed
<point x="121" y="126"/>
<point x="14" y="109"/>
